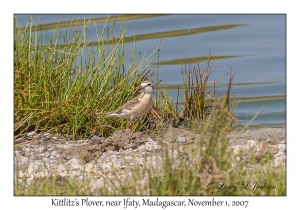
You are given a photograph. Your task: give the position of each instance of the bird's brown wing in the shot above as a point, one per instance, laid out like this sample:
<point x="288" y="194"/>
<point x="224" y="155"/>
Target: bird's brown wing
<point x="128" y="105"/>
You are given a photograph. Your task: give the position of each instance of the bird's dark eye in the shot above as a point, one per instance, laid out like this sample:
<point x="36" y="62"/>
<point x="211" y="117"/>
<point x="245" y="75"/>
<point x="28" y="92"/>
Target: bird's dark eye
<point x="149" y="84"/>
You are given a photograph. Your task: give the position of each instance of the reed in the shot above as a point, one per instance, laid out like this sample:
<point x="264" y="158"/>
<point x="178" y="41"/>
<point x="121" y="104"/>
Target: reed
<point x="65" y="87"/>
<point x="206" y="168"/>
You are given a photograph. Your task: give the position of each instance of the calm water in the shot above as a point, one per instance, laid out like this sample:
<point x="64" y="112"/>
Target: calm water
<point x="255" y="45"/>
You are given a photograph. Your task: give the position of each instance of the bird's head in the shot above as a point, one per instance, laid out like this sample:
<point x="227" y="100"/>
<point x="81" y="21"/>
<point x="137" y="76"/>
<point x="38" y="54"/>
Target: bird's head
<point x="147" y="87"/>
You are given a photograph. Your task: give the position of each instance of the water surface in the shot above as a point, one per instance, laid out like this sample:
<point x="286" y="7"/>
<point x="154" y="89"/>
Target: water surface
<point x="254" y="46"/>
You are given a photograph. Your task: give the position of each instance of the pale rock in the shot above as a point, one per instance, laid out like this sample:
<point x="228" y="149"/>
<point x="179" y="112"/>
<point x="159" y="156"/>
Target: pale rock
<point x="34" y="166"/>
<point x="61" y="170"/>
<point x="95" y="185"/>
<point x="279" y="154"/>
<point x="39" y="149"/>
<point x="105" y="167"/>
<point x="151" y="146"/>
<point x="74" y="173"/>
<point x="90" y="167"/>
<point x="32" y="157"/>
<point x="31" y="133"/>
<point x="22" y="161"/>
<point x="264" y="148"/>
<point x="17" y="154"/>
<point x="21" y="174"/>
<point x="142" y="147"/>
<point x="279" y="161"/>
<point x="50" y="148"/>
<point x="237" y="149"/>
<point x="41" y="174"/>
<point x="54" y="155"/>
<point x="251" y="143"/>
<point x="150" y="140"/>
<point x="281" y="148"/>
<point x="45" y="134"/>
<point x="180" y="139"/>
<point x="44" y="155"/>
<point x="73" y="165"/>
<point x="282" y="142"/>
<point x="128" y="151"/>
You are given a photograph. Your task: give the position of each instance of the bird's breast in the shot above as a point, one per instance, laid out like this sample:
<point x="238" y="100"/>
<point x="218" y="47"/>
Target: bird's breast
<point x="144" y="105"/>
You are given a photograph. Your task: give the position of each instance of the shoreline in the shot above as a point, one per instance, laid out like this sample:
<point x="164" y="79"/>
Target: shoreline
<point x="47" y="154"/>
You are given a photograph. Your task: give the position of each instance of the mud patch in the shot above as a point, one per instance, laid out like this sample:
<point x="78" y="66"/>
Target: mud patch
<point x="122" y="139"/>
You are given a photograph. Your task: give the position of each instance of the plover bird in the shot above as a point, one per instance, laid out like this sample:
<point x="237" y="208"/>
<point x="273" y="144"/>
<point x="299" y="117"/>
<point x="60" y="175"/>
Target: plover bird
<point x="138" y="106"/>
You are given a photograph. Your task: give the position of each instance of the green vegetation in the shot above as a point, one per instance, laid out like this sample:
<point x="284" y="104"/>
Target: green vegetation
<point x="58" y="89"/>
<point x="208" y="168"/>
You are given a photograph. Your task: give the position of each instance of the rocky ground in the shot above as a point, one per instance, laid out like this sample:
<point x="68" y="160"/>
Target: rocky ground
<point x="40" y="155"/>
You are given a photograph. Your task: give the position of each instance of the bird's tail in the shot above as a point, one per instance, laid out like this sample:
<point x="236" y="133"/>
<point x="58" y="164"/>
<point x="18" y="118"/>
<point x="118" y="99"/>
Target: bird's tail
<point x="111" y="114"/>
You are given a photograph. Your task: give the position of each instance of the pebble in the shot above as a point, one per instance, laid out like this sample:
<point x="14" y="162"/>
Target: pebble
<point x="61" y="170"/>
<point x="251" y="143"/>
<point x="180" y="139"/>
<point x="22" y="161"/>
<point x="151" y="146"/>
<point x="279" y="161"/>
<point x="73" y="165"/>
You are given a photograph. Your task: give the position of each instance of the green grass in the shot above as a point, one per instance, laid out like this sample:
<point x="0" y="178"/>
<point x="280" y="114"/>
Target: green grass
<point x="60" y="89"/>
<point x="63" y="87"/>
<point x="208" y="168"/>
<point x="209" y="162"/>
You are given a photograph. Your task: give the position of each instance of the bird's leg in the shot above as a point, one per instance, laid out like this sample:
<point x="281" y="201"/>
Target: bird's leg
<point x="128" y="123"/>
<point x="139" y="129"/>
